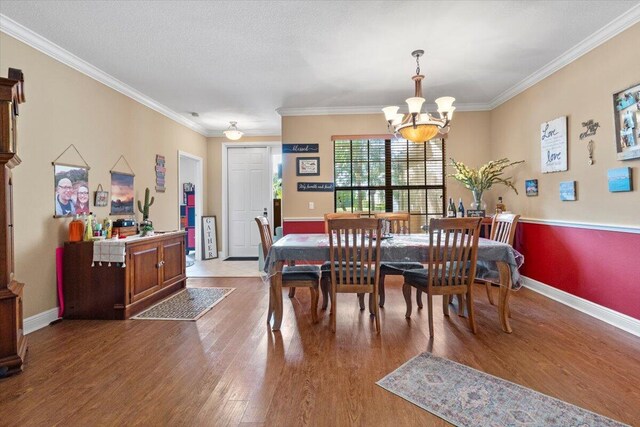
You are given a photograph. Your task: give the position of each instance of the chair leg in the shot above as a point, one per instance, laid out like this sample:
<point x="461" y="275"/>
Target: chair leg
<point x="381" y="290"/>
<point x="430" y="308"/>
<point x="371" y="302"/>
<point x="361" y="301"/>
<point x="406" y="291"/>
<point x="376" y="310"/>
<point x="325" y="285"/>
<point x="334" y="307"/>
<point x="314" y="304"/>
<point x="271" y="305"/>
<point x="487" y="286"/>
<point x="419" y="298"/>
<point x="292" y="292"/>
<point x="472" y="319"/>
<point x="445" y="305"/>
<point x="461" y="304"/>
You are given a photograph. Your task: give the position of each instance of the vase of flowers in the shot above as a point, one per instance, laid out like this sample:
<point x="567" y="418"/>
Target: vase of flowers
<point x="479" y="180"/>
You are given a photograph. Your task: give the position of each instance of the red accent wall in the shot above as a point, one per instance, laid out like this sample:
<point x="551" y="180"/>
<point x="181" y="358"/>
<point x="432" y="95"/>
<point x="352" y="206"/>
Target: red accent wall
<point x="600" y="266"/>
<point x="297" y="227"/>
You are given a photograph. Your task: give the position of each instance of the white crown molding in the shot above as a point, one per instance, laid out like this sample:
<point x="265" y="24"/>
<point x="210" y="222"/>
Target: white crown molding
<point x="619" y="320"/>
<point x="612" y="29"/>
<point x="375" y="109"/>
<point x="40" y="320"/>
<point x="584" y="225"/>
<point x="36" y="41"/>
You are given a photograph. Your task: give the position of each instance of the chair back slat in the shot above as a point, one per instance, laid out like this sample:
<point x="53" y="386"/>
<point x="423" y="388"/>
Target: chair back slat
<point x="338" y="215"/>
<point x="265" y="234"/>
<point x="503" y="228"/>
<point x="354" y="255"/>
<point x="398" y="222"/>
<point x="453" y="251"/>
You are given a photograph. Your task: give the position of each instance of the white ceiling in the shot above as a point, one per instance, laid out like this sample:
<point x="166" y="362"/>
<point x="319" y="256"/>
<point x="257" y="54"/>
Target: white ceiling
<point x="242" y="60"/>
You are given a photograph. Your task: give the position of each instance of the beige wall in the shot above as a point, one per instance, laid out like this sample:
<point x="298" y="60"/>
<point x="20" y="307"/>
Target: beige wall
<point x="581" y="91"/>
<point x="214" y="174"/>
<point x="64" y="107"/>
<point x="468" y="141"/>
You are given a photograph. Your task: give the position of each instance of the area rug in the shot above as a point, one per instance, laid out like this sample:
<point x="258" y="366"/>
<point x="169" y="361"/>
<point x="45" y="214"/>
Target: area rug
<point x="465" y="397"/>
<point x="188" y="304"/>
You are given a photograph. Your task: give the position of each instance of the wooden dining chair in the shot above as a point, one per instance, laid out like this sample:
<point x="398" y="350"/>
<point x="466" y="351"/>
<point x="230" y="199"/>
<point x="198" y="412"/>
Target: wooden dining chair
<point x="395" y="223"/>
<point x="325" y="281"/>
<point x="503" y="229"/>
<point x="451" y="267"/>
<point x="307" y="276"/>
<point x="355" y="261"/>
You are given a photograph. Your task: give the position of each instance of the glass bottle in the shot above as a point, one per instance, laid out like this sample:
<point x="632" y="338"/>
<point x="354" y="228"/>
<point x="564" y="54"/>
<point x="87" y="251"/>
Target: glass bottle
<point x="76" y="229"/>
<point x="500" y="207"/>
<point x="460" y="209"/>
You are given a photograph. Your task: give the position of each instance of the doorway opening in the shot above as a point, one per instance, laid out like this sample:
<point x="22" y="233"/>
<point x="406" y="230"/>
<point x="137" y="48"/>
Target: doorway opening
<point x="190" y="201"/>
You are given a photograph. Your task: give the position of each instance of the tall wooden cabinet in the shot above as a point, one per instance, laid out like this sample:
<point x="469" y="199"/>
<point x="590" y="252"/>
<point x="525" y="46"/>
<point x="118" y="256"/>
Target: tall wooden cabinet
<point x="13" y="344"/>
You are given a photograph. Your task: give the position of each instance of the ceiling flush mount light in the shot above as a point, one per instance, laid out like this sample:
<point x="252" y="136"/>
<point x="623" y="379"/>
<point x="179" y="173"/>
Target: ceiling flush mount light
<point x="416" y="126"/>
<point x="233" y="133"/>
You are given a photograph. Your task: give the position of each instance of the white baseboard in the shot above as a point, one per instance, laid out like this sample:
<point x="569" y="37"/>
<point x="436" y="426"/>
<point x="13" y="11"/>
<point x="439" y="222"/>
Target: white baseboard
<point x="40" y="320"/>
<point x="619" y="320"/>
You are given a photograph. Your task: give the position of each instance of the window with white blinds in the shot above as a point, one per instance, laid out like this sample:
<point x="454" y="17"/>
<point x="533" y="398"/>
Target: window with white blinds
<point x="388" y="175"/>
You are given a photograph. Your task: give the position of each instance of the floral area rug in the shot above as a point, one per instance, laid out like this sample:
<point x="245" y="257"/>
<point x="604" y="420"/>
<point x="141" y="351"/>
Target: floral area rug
<point x="188" y="304"/>
<point x="464" y="396"/>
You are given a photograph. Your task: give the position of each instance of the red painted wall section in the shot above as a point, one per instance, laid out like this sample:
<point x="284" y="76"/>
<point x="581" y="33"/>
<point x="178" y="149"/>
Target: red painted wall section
<point x="297" y="227"/>
<point x="600" y="266"/>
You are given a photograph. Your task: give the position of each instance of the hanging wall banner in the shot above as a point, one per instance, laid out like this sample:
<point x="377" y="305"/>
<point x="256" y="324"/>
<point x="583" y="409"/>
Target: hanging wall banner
<point x="315" y="186"/>
<point x="121" y="193"/>
<point x="553" y="144"/>
<point x="300" y="148"/>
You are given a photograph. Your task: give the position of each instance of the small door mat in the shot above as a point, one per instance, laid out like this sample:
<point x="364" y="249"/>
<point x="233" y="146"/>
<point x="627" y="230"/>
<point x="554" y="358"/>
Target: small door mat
<point x="242" y="258"/>
<point x="188" y="304"/>
<point x="464" y="396"/>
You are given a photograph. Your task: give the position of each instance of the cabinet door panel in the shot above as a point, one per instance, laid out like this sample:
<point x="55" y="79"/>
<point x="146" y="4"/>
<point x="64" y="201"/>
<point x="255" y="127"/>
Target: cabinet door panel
<point x="174" y="260"/>
<point x="145" y="274"/>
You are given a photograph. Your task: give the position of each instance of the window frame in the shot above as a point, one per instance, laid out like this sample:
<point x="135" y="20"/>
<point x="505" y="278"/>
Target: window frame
<point x="388" y="187"/>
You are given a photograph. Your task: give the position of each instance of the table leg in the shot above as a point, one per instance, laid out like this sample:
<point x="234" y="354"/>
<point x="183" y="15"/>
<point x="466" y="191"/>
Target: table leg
<point x="276" y="285"/>
<point x="503" y="299"/>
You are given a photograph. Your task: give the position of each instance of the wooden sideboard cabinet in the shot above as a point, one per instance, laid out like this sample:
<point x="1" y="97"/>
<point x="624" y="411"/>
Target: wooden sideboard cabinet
<point x="155" y="268"/>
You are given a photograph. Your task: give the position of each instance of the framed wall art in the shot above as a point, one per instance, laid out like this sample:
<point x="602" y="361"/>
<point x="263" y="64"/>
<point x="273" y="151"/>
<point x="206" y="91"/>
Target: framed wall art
<point x="626" y="105"/>
<point x="308" y="166"/>
<point x="553" y="145"/>
<point x="619" y="179"/>
<point x="101" y="197"/>
<point x="531" y="187"/>
<point x="568" y="191"/>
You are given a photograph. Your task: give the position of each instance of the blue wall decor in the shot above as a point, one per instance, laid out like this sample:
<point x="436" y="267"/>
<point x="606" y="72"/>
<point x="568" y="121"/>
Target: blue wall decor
<point x="300" y="148"/>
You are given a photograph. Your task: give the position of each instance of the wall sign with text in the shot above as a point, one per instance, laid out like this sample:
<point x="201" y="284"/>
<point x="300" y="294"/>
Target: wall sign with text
<point x="300" y="148"/>
<point x="209" y="239"/>
<point x="553" y="145"/>
<point x="316" y="186"/>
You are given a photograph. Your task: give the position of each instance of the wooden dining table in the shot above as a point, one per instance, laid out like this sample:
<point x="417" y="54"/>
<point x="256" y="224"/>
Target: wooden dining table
<point x="497" y="262"/>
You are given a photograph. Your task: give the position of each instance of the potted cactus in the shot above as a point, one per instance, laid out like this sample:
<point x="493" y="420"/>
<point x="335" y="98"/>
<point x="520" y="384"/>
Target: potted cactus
<point x="146" y="226"/>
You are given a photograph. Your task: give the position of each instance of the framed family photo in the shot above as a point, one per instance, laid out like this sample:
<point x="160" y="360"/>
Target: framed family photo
<point x="626" y="106"/>
<point x="308" y="166"/>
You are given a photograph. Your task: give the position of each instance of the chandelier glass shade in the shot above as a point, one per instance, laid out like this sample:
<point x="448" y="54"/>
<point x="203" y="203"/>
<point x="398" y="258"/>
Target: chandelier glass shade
<point x="417" y="126"/>
<point x="233" y="133"/>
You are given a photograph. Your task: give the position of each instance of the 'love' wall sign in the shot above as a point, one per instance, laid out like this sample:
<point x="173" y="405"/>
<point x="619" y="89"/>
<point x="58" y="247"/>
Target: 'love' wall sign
<point x="553" y="143"/>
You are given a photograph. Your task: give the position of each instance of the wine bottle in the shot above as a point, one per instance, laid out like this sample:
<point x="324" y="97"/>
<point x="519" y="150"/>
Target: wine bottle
<point x="451" y="210"/>
<point x="460" y="209"/>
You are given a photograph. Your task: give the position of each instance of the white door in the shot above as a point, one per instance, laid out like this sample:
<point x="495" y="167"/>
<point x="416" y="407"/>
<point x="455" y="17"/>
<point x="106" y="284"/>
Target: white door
<point x="249" y="194"/>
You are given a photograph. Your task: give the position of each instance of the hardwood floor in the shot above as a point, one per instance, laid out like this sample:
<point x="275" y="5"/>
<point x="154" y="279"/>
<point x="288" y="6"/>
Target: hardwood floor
<point x="228" y="368"/>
